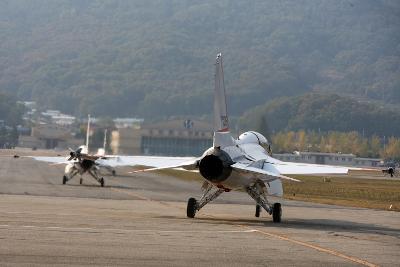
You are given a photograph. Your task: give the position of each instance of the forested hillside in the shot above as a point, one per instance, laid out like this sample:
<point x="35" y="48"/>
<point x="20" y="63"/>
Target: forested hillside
<point x="322" y="113"/>
<point x="155" y="58"/>
<point x="10" y="111"/>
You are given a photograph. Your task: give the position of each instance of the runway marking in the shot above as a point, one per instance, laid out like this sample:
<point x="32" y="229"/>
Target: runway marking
<point x="101" y="230"/>
<point x="130" y="194"/>
<point x="321" y="249"/>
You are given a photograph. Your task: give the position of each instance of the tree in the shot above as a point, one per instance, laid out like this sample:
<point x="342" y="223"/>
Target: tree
<point x="392" y="150"/>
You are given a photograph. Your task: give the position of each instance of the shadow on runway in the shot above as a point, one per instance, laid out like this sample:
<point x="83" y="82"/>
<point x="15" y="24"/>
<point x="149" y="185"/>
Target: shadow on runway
<point x="105" y="186"/>
<point x="340" y="226"/>
<point x="315" y="224"/>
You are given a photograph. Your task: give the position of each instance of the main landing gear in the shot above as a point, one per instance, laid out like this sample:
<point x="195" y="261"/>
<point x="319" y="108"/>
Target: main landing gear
<point x="208" y="195"/>
<point x="70" y="174"/>
<point x="258" y="192"/>
<point x="95" y="175"/>
<point x="258" y="210"/>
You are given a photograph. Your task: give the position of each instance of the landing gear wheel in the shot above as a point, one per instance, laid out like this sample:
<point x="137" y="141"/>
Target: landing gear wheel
<point x="258" y="210"/>
<point x="102" y="182"/>
<point x="64" y="179"/>
<point x="113" y="173"/>
<point x="191" y="207"/>
<point x="80" y="181"/>
<point x="277" y="212"/>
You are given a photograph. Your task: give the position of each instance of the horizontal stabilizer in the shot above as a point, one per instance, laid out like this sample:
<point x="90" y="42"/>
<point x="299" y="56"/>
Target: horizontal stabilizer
<point x="260" y="173"/>
<point x="188" y="166"/>
<point x="296" y="168"/>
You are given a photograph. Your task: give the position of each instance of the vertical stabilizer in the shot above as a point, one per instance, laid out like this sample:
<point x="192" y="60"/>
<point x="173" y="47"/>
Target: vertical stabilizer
<point x="105" y="140"/>
<point x="88" y="132"/>
<point x="222" y="137"/>
<point x="220" y="110"/>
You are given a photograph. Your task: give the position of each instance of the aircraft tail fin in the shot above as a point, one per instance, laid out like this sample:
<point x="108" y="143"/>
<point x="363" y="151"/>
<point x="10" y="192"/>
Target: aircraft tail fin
<point x="88" y="133"/>
<point x="220" y="110"/>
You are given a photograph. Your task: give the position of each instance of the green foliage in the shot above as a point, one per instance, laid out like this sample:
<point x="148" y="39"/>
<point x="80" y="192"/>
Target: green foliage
<point x="11" y="116"/>
<point x="154" y="58"/>
<point x="322" y="113"/>
<point x="336" y="142"/>
<point x="10" y="112"/>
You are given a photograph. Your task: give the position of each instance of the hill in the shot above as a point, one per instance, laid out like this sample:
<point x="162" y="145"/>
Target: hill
<point x="322" y="113"/>
<point x="154" y="58"/>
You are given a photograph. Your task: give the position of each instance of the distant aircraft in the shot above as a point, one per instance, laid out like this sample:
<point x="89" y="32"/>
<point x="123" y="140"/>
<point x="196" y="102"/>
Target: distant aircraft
<point x="243" y="164"/>
<point x="392" y="171"/>
<point x="80" y="161"/>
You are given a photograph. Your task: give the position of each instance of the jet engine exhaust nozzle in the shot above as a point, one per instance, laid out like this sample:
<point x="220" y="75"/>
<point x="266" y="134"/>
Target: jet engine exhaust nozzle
<point x="215" y="168"/>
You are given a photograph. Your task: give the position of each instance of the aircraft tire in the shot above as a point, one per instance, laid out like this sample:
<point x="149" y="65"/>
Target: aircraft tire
<point x="113" y="173"/>
<point x="277" y="212"/>
<point x="80" y="181"/>
<point x="258" y="210"/>
<point x="64" y="179"/>
<point x="102" y="182"/>
<point x="191" y="207"/>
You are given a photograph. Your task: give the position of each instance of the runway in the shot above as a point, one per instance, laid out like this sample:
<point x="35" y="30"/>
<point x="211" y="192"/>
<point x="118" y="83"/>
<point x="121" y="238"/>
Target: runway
<point x="141" y="220"/>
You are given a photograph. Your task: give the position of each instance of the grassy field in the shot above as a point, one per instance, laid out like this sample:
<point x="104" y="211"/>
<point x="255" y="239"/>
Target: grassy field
<point x="346" y="191"/>
<point x="375" y="193"/>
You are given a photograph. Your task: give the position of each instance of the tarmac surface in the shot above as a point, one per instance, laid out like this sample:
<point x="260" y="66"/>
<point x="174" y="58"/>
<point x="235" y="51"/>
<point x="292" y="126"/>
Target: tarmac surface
<point x="140" y="220"/>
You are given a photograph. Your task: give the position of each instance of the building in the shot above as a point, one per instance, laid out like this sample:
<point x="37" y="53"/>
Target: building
<point x="329" y="159"/>
<point x="127" y="122"/>
<point x="56" y="117"/>
<point x="169" y="138"/>
<point x="49" y="137"/>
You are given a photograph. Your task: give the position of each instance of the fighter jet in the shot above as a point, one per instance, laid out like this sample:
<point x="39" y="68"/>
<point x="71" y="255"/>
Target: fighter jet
<point x="391" y="170"/>
<point x="81" y="162"/>
<point x="243" y="164"/>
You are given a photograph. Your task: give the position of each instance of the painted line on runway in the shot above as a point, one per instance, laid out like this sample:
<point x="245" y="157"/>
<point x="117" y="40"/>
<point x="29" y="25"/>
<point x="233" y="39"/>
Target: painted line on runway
<point x="116" y="230"/>
<point x="278" y="236"/>
<point x="130" y="194"/>
<point x="305" y="244"/>
<point x="318" y="248"/>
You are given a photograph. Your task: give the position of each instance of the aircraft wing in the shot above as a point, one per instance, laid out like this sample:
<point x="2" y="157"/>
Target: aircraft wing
<point x="288" y="168"/>
<point x="55" y="160"/>
<point x="155" y="163"/>
<point x="149" y="161"/>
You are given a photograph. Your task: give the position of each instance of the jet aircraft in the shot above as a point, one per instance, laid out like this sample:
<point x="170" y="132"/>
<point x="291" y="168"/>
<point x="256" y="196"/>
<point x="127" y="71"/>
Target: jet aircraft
<point x="243" y="164"/>
<point x="80" y="162"/>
